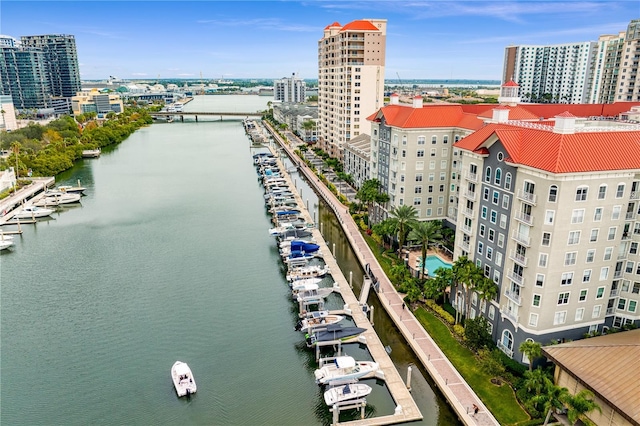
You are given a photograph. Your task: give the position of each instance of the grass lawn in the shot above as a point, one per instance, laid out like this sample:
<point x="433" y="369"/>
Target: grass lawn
<point x="500" y="400"/>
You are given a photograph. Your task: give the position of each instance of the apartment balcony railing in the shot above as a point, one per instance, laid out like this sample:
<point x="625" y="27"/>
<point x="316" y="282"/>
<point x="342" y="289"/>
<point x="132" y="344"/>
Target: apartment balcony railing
<point x="518" y="258"/>
<point x="518" y="279"/>
<point x="508" y="314"/>
<point x="525" y="218"/>
<point x="630" y="215"/>
<point x="626" y="236"/>
<point x="522" y="239"/>
<point x="614" y="292"/>
<point x="609" y="311"/>
<point x="505" y="349"/>
<point x="513" y="296"/>
<point x="464" y="246"/>
<point x="617" y="274"/>
<point x="527" y="196"/>
<point x="635" y="195"/>
<point x="467" y="212"/>
<point x="470" y="195"/>
<point x="467" y="230"/>
<point x="473" y="177"/>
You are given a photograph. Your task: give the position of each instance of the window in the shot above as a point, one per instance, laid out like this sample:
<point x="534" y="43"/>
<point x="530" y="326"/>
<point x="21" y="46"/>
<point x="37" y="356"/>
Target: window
<point x="489" y="253"/>
<point x="597" y="214"/>
<point x="596" y="311"/>
<point x="533" y="320"/>
<point x="417" y="190"/>
<point x="548" y="217"/>
<point x="539" y="280"/>
<point x="586" y="275"/>
<point x="563" y="298"/>
<point x="503" y="221"/>
<point x="583" y="295"/>
<point x="536" y="300"/>
<point x="492" y="312"/>
<point x="491" y="234"/>
<point x="615" y="212"/>
<point x="420" y="153"/>
<point x="496" y="277"/>
<point x="591" y="254"/>
<point x="581" y="193"/>
<point x="498" y="259"/>
<point x="570" y="258"/>
<point x="632" y="306"/>
<point x="612" y="233"/>
<point x="577" y="216"/>
<point x="482" y="230"/>
<point x="546" y="238"/>
<point x="560" y="317"/>
<point x="496" y="197"/>
<point x="505" y="201"/>
<point x="507" y="181"/>
<point x="494" y="216"/>
<point x="500" y="240"/>
<point x="567" y="278"/>
<point x="434" y="140"/>
<point x="421" y="140"/>
<point x="506" y="343"/>
<point x="574" y="237"/>
<point x="579" y="314"/>
<point x="602" y="192"/>
<point x="600" y="292"/>
<point x="419" y="177"/>
<point x="542" y="260"/>
<point x="607" y="253"/>
<point x="633" y="248"/>
<point x="417" y="201"/>
<point x="553" y="193"/>
<point x="485" y="194"/>
<point x="629" y="268"/>
<point x="636" y="288"/>
<point x="594" y="236"/>
<point x="487" y="174"/>
<point x="622" y="304"/>
<point x="498" y="177"/>
<point x="484" y="212"/>
<point x="604" y="273"/>
<point x="445" y="139"/>
<point x="480" y="247"/>
<point x="620" y="191"/>
<point x="419" y="165"/>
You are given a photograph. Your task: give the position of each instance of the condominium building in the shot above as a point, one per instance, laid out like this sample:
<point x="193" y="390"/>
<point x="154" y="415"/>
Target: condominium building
<point x="357" y="159"/>
<point x="23" y="76"/>
<point x="351" y="61"/>
<point x="555" y="74"/>
<point x="95" y="101"/>
<point x="61" y="59"/>
<point x="628" y="82"/>
<point x="605" y="68"/>
<point x="550" y="210"/>
<point x="289" y="89"/>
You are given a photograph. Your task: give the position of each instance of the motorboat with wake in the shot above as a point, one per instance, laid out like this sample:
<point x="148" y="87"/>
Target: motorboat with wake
<point x="183" y="379"/>
<point x="347" y="392"/>
<point x="343" y="368"/>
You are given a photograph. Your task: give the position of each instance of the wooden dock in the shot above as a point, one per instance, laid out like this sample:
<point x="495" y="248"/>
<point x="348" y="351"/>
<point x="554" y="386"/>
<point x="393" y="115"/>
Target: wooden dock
<point x="406" y="408"/>
<point x="9" y="205"/>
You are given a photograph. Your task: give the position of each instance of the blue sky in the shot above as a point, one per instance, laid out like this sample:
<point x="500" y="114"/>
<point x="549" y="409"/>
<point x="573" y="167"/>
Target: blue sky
<point x="272" y="39"/>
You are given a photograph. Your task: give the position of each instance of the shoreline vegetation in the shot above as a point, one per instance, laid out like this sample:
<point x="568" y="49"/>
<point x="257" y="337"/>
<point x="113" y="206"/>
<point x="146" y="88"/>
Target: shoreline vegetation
<point x="47" y="150"/>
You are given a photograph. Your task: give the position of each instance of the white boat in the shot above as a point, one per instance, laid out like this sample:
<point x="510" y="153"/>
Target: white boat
<point x="346" y="392"/>
<point x="317" y="319"/>
<point x="32" y="212"/>
<point x="314" y="295"/>
<point x="309" y="271"/>
<point x="91" y="153"/>
<point x="78" y="189"/>
<point x="56" y="198"/>
<point x="5" y="244"/>
<point x="183" y="379"/>
<point x="343" y="368"/>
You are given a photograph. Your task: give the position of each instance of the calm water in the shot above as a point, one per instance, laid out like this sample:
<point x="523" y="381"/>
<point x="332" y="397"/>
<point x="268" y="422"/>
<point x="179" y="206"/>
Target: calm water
<point x="167" y="258"/>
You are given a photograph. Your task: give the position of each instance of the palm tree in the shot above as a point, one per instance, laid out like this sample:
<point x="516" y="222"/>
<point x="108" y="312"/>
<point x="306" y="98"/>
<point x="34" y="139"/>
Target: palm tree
<point x="403" y="216"/>
<point x="423" y="232"/>
<point x="553" y="399"/>
<point x="460" y="270"/>
<point x="579" y="405"/>
<point x="532" y="350"/>
<point x="436" y="287"/>
<point x="307" y="126"/>
<point x="370" y="193"/>
<point x="537" y="382"/>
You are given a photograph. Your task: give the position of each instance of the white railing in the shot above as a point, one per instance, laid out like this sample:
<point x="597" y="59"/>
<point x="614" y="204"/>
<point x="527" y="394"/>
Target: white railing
<point x="523" y="217"/>
<point x="523" y="239"/>
<point x="513" y="296"/>
<point x="467" y="229"/>
<point x="467" y="212"/>
<point x="527" y="196"/>
<point x="506" y="313"/>
<point x="470" y="195"/>
<point x="517" y="257"/>
<point x="464" y="246"/>
<point x="518" y="279"/>
<point x="473" y="177"/>
<point x="505" y="349"/>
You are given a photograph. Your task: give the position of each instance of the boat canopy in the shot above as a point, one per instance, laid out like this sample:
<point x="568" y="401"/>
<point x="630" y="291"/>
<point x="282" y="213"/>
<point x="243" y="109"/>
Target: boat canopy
<point x="345" y="362"/>
<point x="182" y="368"/>
<point x="297" y="245"/>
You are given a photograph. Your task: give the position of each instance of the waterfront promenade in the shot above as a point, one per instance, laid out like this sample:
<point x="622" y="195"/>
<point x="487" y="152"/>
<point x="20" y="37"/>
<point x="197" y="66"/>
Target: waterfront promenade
<point x="449" y="381"/>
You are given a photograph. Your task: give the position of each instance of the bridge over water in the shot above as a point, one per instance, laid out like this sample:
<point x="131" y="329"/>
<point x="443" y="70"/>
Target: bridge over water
<point x="182" y="114"/>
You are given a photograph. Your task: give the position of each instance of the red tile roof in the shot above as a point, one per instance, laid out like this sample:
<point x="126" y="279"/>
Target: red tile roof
<point x="561" y="153"/>
<point x="405" y="116"/>
<point x="361" y="25"/>
<point x="511" y="83"/>
<point x="335" y="24"/>
<point x="535" y="111"/>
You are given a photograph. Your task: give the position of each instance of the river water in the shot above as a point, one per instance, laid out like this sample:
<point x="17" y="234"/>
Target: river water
<point x="168" y="258"/>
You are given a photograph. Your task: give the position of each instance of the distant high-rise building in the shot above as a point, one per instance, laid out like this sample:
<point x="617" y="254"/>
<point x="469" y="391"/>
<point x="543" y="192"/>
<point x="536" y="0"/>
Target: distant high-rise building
<point x="351" y="60"/>
<point x="289" y="89"/>
<point x="23" y="76"/>
<point x="61" y="58"/>
<point x="604" y="69"/>
<point x="628" y="86"/>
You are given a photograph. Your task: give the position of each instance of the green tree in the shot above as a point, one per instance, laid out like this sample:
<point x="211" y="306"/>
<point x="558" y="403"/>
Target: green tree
<point x="423" y="233"/>
<point x="385" y="229"/>
<point x="579" y="405"/>
<point x="532" y="350"/>
<point x="436" y="286"/>
<point x="370" y="193"/>
<point x="476" y="333"/>
<point x="553" y="399"/>
<point x="537" y="382"/>
<point x="404" y="217"/>
<point x="399" y="273"/>
<point x="491" y="363"/>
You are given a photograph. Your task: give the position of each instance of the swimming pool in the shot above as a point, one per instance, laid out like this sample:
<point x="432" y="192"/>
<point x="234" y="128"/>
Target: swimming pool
<point x="433" y="263"/>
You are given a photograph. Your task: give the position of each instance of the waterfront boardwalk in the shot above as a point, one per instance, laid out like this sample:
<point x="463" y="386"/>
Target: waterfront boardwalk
<point x="449" y="381"/>
<point x="407" y="410"/>
<point x="10" y="204"/>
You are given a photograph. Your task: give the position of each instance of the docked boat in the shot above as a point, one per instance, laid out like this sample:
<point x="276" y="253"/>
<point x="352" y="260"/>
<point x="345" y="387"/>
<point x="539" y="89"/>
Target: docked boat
<point x="56" y="198"/>
<point x="183" y="379"/>
<point x="91" y="153"/>
<point x="70" y="189"/>
<point x="5" y="244"/>
<point x="346" y="392"/>
<point x="313" y="295"/>
<point x="32" y="212"/>
<point x="317" y="319"/>
<point x="343" y="368"/>
<point x="301" y="285"/>
<point x="333" y="332"/>
<point x="309" y="271"/>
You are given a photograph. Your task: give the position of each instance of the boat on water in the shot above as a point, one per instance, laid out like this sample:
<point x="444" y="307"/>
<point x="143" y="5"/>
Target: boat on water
<point x="183" y="379"/>
<point x="32" y="212"/>
<point x="347" y="392"/>
<point x="56" y="198"/>
<point x="333" y="332"/>
<point x="316" y="320"/>
<point x="343" y="368"/>
<point x="5" y="244"/>
<point x="313" y="295"/>
<point x="91" y="153"/>
<point x="70" y="189"/>
<point x="309" y="271"/>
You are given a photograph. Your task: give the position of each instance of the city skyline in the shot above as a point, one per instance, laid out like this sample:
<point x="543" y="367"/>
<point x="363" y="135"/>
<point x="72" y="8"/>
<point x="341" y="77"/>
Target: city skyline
<point x="273" y="39"/>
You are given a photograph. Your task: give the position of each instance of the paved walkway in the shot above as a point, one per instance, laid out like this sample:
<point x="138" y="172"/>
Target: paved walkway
<point x="453" y="386"/>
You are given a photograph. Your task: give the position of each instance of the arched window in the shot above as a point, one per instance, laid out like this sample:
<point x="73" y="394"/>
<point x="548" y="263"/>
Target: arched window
<point x="553" y="193"/>
<point x="498" y="177"/>
<point x="487" y="174"/>
<point x="507" y="181"/>
<point x="506" y="343"/>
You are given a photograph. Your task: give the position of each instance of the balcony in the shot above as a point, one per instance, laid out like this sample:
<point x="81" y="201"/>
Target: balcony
<point x="527" y="196"/>
<point x="518" y="258"/>
<point x="630" y="215"/>
<point x="506" y="350"/>
<point x="524" y="218"/>
<point x="470" y="195"/>
<point x="635" y="195"/>
<point x="522" y="239"/>
<point x="467" y="212"/>
<point x="467" y="230"/>
<point x="614" y="293"/>
<point x="464" y="245"/>
<point x="518" y="279"/>
<point x="473" y="177"/>
<point x="513" y="316"/>
<point x="609" y="311"/>
<point x="617" y="274"/>
<point x="514" y="297"/>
